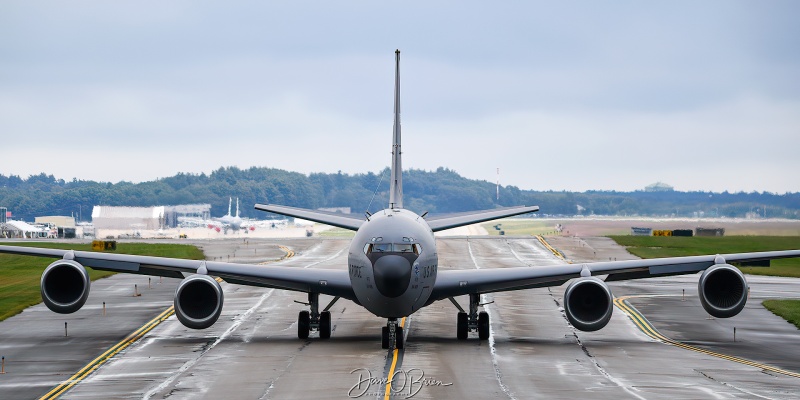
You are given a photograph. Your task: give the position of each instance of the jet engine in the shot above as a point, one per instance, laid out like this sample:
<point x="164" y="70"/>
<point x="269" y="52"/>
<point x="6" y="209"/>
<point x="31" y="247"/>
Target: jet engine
<point x="65" y="286"/>
<point x="588" y="304"/>
<point x="198" y="301"/>
<point x="723" y="290"/>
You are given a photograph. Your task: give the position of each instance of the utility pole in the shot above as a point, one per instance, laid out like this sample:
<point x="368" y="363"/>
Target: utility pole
<point x="498" y="184"/>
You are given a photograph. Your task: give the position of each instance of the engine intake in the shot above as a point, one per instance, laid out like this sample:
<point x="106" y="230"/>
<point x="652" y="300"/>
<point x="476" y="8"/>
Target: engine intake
<point x="723" y="290"/>
<point x="198" y="301"/>
<point x="65" y="286"/>
<point x="588" y="304"/>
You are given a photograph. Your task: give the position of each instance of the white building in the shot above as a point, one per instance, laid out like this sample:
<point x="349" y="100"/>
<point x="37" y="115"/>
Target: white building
<point x="110" y="217"/>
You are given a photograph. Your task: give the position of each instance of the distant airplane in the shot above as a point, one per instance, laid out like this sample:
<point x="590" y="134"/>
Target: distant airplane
<point x="232" y="222"/>
<point x="393" y="271"/>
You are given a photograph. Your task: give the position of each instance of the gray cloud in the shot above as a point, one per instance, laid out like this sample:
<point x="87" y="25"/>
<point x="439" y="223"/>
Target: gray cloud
<point x="577" y="96"/>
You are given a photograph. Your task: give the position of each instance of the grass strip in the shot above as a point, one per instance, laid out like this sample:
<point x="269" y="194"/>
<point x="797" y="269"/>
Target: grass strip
<point x="786" y="309"/>
<point x="675" y="246"/>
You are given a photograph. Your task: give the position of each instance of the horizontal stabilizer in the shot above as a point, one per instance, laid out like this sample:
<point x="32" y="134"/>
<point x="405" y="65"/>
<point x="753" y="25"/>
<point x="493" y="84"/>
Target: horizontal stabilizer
<point x="447" y="221"/>
<point x="339" y="220"/>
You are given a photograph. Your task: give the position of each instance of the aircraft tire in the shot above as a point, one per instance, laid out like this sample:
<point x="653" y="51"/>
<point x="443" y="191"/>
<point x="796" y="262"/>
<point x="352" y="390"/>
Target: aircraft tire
<point x="462" y="328"/>
<point x="303" y="324"/>
<point x="325" y="325"/>
<point x="385" y="337"/>
<point x="483" y="325"/>
<point x="399" y="339"/>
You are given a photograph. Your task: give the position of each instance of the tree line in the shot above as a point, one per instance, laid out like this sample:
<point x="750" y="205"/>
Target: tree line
<point x="439" y="191"/>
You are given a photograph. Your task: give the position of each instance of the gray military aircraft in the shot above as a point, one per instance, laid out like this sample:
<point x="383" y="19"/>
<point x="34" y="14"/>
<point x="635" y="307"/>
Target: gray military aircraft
<point x="393" y="271"/>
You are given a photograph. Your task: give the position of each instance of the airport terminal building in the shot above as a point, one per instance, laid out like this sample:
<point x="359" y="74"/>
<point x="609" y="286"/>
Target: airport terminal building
<point x="157" y="217"/>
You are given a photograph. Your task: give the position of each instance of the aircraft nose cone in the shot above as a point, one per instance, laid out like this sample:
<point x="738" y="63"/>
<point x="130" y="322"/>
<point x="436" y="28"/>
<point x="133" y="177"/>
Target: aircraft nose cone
<point x="392" y="275"/>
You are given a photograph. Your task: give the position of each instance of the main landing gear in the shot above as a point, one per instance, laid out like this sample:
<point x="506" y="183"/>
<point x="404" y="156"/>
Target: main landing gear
<point x="314" y="320"/>
<point x="392" y="335"/>
<point x="472" y="321"/>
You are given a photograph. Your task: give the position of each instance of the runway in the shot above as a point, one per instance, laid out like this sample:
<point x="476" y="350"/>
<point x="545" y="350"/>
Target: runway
<point x="252" y="352"/>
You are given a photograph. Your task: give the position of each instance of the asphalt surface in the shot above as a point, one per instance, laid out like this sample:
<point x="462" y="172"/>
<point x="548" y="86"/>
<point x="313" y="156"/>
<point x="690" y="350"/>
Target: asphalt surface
<point x="252" y="352"/>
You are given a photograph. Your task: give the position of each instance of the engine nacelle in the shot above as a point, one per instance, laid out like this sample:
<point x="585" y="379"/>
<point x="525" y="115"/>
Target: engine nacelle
<point x="65" y="286"/>
<point x="723" y="290"/>
<point x="588" y="304"/>
<point x="198" y="301"/>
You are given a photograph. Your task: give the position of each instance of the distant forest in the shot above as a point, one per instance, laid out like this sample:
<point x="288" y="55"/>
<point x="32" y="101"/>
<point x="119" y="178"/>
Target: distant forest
<point x="440" y="191"/>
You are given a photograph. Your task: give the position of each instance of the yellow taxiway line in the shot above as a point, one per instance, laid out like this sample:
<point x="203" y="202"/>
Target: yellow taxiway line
<point x="100" y="360"/>
<point x="289" y="254"/>
<point x="645" y="326"/>
<point x="551" y="248"/>
<point x="388" y="393"/>
<point x="122" y="345"/>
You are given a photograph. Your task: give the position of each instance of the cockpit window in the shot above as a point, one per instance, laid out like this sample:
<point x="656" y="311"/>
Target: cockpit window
<point x="392" y="248"/>
<point x="382" y="247"/>
<point x="403" y="248"/>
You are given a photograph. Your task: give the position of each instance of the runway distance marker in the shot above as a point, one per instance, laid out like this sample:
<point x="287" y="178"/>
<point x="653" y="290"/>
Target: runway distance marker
<point x="645" y="326"/>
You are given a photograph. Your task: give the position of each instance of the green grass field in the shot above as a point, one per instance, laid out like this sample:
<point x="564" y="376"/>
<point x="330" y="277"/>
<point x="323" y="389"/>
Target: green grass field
<point x="652" y="247"/>
<point x="786" y="309"/>
<point x="336" y="232"/>
<point x="659" y="246"/>
<point x="20" y="275"/>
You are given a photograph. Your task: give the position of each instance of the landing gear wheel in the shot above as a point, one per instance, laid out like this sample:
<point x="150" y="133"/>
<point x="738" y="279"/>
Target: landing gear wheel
<point x="385" y="337"/>
<point x="303" y="324"/>
<point x="399" y="342"/>
<point x="325" y="325"/>
<point x="483" y="325"/>
<point x="462" y="327"/>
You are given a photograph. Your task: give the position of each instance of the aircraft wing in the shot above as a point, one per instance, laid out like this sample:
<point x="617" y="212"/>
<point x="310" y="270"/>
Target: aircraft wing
<point x="346" y="221"/>
<point x="451" y="283"/>
<point x="447" y="221"/>
<point x="325" y="281"/>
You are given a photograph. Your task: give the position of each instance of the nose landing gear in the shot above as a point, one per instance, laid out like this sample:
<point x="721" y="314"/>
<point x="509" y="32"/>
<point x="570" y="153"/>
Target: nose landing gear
<point x="392" y="335"/>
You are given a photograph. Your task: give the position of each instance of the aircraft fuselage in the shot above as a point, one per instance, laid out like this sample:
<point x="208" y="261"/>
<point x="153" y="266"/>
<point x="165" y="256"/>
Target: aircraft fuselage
<point x="393" y="263"/>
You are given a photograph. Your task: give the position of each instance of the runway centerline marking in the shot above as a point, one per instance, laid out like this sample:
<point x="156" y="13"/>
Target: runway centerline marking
<point x="396" y="355"/>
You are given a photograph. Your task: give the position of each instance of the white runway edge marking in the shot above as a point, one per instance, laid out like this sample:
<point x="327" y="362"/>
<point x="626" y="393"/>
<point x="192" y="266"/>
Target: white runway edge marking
<point x="492" y="349"/>
<point x="239" y="320"/>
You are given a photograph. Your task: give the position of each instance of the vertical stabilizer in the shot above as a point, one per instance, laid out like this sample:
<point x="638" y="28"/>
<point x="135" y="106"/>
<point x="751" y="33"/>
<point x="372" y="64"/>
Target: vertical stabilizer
<point x="396" y="183"/>
<point x="230" y="200"/>
<point x="237" y="207"/>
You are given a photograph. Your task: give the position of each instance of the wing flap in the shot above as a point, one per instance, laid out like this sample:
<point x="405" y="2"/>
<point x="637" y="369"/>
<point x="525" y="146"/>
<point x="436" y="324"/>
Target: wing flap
<point x="345" y="221"/>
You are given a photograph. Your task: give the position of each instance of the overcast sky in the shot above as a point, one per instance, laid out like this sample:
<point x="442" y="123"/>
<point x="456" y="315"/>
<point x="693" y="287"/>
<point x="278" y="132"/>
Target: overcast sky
<point x="574" y="95"/>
